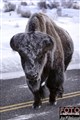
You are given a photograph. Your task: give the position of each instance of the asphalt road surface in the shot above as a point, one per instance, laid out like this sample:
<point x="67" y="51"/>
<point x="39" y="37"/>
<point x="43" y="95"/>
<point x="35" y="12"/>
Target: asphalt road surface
<point x="16" y="99"/>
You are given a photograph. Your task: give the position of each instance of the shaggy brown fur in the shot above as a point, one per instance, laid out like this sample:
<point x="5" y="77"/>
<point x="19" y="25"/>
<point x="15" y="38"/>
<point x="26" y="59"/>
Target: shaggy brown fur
<point x="46" y="51"/>
<point x="63" y="49"/>
<point x="41" y="22"/>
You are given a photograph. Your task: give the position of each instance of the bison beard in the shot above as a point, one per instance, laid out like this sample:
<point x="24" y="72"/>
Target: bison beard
<point x="46" y="51"/>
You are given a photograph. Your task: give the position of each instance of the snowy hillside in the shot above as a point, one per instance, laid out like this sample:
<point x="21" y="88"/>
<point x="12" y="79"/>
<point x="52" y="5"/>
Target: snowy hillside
<point x="12" y="23"/>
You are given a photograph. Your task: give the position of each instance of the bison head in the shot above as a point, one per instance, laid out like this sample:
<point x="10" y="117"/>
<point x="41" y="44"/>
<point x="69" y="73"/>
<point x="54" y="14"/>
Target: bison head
<point x="33" y="49"/>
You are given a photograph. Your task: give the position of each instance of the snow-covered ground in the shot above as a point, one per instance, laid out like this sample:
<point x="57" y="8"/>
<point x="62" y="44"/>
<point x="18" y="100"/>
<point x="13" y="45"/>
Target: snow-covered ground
<point x="12" y="23"/>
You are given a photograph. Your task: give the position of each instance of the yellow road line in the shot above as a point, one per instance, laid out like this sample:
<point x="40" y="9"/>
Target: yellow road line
<point x="14" y="105"/>
<point x="31" y="102"/>
<point x="71" y="93"/>
<point x="67" y="94"/>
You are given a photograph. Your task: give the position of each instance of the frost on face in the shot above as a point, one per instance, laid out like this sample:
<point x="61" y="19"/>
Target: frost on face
<point x="32" y="48"/>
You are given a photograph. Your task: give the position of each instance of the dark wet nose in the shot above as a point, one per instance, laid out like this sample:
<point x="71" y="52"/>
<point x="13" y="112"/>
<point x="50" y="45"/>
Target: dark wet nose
<point x="31" y="76"/>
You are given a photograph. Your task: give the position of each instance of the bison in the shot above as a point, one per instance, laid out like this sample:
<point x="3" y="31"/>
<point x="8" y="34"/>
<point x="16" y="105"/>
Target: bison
<point x="46" y="51"/>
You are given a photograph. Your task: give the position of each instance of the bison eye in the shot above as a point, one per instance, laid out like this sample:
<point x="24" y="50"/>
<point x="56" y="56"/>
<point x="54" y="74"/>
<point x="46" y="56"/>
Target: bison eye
<point x="40" y="58"/>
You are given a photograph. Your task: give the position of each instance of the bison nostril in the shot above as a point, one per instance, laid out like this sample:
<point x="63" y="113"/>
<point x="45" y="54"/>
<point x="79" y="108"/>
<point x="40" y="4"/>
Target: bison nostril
<point x="32" y="76"/>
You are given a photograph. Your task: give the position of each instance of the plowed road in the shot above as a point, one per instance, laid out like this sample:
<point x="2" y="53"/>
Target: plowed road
<point x="16" y="99"/>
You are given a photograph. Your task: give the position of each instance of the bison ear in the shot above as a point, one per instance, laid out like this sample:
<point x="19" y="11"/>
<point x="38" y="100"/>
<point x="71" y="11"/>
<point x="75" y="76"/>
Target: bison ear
<point x="12" y="43"/>
<point x="16" y="40"/>
<point x="48" y="44"/>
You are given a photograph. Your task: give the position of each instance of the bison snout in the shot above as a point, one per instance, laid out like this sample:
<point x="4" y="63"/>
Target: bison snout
<point x="31" y="76"/>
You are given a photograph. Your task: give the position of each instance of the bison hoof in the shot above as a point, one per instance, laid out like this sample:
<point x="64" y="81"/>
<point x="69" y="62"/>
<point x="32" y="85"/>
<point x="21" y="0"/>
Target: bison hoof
<point x="53" y="103"/>
<point x="35" y="106"/>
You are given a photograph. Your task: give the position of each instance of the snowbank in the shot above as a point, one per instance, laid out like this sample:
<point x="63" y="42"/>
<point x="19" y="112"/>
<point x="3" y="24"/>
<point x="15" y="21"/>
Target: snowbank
<point x="12" y="23"/>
